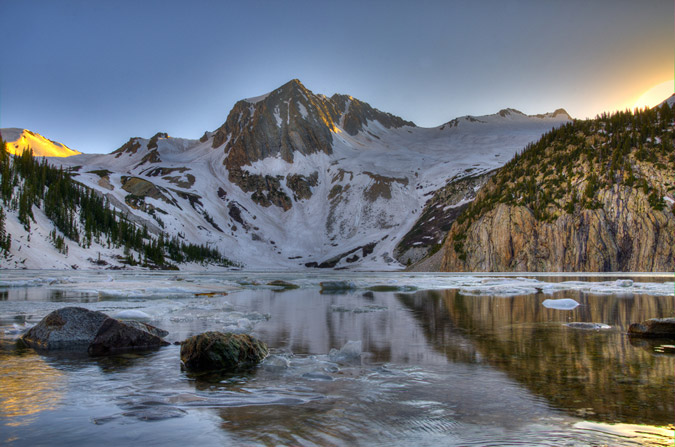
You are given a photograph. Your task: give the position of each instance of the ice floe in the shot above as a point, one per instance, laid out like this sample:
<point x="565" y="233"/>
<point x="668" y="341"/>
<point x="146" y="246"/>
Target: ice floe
<point x="560" y="304"/>
<point x="349" y="353"/>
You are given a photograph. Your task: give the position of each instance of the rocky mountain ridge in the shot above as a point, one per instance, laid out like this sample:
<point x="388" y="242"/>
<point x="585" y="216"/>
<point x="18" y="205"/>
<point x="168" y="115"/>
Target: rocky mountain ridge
<point x="290" y="180"/>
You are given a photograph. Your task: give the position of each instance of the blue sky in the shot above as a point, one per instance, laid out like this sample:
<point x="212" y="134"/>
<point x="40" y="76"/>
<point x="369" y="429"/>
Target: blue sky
<point x="91" y="74"/>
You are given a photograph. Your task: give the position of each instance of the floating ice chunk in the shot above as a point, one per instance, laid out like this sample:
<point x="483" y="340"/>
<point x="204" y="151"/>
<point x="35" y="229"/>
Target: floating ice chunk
<point x="624" y="282"/>
<point x="276" y="362"/>
<point x="350" y="352"/>
<point x="588" y="326"/>
<point x="561" y="304"/>
<point x="132" y="314"/>
<point x="244" y="324"/>
<point x="18" y="328"/>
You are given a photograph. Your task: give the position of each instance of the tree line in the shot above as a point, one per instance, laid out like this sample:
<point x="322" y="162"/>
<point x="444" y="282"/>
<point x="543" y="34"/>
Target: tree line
<point x="83" y="216"/>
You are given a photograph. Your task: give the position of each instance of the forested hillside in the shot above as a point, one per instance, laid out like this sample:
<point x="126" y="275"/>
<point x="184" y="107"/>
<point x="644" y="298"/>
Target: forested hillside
<point x="591" y="195"/>
<point x="82" y="216"/>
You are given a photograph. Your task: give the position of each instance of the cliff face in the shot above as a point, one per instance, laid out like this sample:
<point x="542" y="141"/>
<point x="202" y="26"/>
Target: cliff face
<point x="626" y="234"/>
<point x="594" y="196"/>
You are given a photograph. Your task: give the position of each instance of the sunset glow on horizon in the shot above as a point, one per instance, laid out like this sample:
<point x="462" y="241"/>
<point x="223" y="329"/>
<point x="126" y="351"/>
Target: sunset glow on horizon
<point x="93" y="74"/>
<point x="655" y="95"/>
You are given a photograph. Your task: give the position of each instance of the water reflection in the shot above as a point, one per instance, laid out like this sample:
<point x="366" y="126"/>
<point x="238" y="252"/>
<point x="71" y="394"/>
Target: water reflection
<point x="28" y="385"/>
<point x="597" y="375"/>
<point x="438" y="368"/>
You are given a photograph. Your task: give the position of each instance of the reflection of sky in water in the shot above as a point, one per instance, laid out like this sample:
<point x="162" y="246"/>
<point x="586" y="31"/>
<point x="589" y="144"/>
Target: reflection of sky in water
<point x="437" y="367"/>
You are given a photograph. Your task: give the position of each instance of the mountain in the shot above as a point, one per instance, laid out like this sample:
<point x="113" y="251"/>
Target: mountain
<point x="294" y="180"/>
<point x="590" y="196"/>
<point x="19" y="140"/>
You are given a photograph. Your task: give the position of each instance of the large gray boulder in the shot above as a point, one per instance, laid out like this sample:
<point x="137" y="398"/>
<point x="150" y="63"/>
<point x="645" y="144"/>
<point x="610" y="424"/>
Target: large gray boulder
<point x="80" y="329"/>
<point x="217" y="351"/>
<point x="653" y="328"/>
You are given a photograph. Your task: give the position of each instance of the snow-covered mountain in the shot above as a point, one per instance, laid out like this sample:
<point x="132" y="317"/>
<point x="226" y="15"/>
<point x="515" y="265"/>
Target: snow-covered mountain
<point x="20" y="140"/>
<point x="294" y="180"/>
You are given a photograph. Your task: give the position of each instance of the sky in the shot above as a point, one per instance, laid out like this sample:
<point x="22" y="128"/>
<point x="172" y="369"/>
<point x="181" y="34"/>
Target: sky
<point x="92" y="74"/>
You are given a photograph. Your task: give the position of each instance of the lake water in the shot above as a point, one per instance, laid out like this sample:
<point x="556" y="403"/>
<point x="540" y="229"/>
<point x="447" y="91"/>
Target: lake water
<point x="378" y="359"/>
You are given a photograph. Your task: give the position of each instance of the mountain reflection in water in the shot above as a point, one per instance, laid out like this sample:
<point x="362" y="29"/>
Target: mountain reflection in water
<point x="596" y="374"/>
<point x="437" y="367"/>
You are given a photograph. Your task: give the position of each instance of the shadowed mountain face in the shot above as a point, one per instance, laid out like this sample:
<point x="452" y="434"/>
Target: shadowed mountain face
<point x="596" y="374"/>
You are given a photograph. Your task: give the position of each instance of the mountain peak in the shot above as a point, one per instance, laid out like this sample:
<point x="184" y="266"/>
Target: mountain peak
<point x="20" y="140"/>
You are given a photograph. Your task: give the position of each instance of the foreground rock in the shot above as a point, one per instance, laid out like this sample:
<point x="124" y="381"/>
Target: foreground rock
<point x="80" y="329"/>
<point x="217" y="351"/>
<point x="653" y="328"/>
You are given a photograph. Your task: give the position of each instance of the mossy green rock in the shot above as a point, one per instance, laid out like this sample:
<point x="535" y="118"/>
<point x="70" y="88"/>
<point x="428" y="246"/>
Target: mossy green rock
<point x="217" y="351"/>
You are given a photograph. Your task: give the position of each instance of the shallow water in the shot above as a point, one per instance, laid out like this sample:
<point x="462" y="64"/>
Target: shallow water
<point x="446" y="360"/>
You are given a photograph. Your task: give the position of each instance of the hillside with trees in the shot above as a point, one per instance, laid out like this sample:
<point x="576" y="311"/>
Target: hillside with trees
<point x="82" y="216"/>
<point x="591" y="195"/>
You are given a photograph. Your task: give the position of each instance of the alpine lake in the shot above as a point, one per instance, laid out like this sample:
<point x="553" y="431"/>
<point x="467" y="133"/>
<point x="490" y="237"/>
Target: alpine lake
<point x="366" y="359"/>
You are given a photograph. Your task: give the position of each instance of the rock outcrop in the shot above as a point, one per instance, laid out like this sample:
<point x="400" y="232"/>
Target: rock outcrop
<point x="624" y="235"/>
<point x="83" y="330"/>
<point x="653" y="328"/>
<point x="217" y="351"/>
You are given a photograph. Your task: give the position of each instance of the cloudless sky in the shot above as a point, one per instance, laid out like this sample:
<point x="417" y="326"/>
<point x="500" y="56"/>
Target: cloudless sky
<point x="92" y="74"/>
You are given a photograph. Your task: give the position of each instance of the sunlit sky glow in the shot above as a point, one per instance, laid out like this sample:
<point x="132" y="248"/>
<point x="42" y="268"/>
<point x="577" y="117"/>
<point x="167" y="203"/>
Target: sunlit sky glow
<point x="92" y="74"/>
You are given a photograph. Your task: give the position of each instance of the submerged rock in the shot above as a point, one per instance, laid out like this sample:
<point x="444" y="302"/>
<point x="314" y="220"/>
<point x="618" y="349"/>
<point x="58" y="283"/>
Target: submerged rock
<point x="336" y="286"/>
<point x="217" y="351"/>
<point x="653" y="328"/>
<point x="285" y="285"/>
<point x="80" y="329"/>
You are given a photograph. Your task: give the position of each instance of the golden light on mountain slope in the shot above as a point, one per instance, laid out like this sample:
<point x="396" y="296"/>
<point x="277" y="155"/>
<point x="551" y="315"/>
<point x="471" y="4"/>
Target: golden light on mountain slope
<point x="19" y="140"/>
<point x="655" y="95"/>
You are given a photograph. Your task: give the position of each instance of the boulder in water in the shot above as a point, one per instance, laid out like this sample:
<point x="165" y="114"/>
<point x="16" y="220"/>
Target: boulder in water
<point x="217" y="351"/>
<point x="80" y="329"/>
<point x="653" y="328"/>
